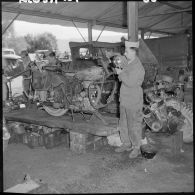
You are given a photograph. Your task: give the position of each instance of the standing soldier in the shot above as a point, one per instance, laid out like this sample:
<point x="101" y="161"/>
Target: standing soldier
<point x="131" y="101"/>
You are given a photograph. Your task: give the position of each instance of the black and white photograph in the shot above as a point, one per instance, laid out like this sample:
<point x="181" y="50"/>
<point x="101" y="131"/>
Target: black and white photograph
<point x="97" y="97"/>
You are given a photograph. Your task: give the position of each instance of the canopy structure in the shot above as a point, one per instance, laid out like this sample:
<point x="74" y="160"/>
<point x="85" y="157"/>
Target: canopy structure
<point x="161" y="17"/>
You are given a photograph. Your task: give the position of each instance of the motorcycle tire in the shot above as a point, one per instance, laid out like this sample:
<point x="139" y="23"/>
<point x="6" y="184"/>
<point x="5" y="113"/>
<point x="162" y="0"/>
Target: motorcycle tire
<point x="56" y="112"/>
<point x="96" y="102"/>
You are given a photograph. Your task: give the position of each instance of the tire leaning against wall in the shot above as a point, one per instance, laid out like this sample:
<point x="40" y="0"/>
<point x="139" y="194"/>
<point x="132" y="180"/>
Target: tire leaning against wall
<point x="187" y="113"/>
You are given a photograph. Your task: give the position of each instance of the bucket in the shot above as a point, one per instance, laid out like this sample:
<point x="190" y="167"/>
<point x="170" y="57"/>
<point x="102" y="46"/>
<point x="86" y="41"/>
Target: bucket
<point x="148" y="151"/>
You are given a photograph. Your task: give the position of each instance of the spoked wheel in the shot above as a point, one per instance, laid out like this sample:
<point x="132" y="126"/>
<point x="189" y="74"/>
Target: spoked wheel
<point x="59" y="107"/>
<point x="101" y="93"/>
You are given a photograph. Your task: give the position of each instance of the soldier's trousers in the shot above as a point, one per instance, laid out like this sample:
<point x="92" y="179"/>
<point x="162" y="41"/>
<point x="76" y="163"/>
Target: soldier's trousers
<point x="130" y="126"/>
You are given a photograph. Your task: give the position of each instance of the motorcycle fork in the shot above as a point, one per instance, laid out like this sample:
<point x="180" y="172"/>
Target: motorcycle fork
<point x="51" y="93"/>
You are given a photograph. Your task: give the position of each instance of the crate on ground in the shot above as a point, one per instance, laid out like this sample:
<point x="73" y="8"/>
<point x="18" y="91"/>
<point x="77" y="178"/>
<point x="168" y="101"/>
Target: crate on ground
<point x="80" y="142"/>
<point x="172" y="143"/>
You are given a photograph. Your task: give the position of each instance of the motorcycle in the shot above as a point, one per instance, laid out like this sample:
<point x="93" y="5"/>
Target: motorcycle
<point x="58" y="91"/>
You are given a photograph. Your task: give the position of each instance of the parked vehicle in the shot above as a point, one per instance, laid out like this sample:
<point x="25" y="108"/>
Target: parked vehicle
<point x="12" y="64"/>
<point x="64" y="57"/>
<point x="6" y="51"/>
<point x="41" y="53"/>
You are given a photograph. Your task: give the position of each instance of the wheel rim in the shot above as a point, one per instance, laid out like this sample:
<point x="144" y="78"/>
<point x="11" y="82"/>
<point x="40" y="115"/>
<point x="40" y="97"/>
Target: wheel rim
<point x="99" y="94"/>
<point x="57" y="110"/>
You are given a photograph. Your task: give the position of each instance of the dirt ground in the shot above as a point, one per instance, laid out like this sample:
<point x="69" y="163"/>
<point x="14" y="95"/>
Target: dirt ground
<point x="99" y="171"/>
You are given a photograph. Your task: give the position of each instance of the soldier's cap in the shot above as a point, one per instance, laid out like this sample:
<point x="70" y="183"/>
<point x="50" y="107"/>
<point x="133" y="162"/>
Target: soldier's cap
<point x="132" y="44"/>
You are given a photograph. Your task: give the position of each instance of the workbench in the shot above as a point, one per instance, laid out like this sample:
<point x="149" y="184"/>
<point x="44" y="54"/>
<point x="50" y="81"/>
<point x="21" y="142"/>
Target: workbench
<point x="93" y="126"/>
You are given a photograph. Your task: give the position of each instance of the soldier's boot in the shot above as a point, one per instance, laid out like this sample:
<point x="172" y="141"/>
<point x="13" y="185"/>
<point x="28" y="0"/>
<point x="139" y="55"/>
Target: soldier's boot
<point x="123" y="148"/>
<point x="135" y="153"/>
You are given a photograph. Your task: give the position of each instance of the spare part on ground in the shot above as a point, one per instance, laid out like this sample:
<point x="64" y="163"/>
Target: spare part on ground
<point x="114" y="140"/>
<point x="167" y="113"/>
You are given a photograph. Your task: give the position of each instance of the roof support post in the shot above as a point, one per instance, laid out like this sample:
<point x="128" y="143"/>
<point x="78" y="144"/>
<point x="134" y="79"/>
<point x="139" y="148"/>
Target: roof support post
<point x="90" y="36"/>
<point x="132" y="20"/>
<point x="142" y="34"/>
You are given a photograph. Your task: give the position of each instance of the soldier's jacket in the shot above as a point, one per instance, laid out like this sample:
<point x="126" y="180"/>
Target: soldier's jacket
<point x="132" y="77"/>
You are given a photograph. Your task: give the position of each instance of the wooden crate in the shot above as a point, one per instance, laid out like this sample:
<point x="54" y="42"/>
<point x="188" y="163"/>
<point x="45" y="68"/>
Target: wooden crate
<point x="173" y="143"/>
<point x="80" y="143"/>
<point x="177" y="142"/>
<point x="188" y="97"/>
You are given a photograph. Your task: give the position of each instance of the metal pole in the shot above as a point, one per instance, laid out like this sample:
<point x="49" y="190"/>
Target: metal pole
<point x="101" y="33"/>
<point x="132" y="20"/>
<point x="78" y="31"/>
<point x="142" y="34"/>
<point x="10" y="23"/>
<point x="150" y="34"/>
<point x="90" y="37"/>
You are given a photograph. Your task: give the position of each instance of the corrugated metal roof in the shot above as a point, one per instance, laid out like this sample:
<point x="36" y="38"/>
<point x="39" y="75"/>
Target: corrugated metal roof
<point x="166" y="17"/>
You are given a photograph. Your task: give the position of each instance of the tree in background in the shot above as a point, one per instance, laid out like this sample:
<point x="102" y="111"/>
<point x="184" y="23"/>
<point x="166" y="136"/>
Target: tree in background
<point x="45" y="41"/>
<point x="29" y="42"/>
<point x="10" y="40"/>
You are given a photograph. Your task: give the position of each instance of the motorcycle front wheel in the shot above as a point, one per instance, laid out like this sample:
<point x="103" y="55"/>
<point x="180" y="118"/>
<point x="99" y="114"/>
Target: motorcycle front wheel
<point x="60" y="103"/>
<point x="101" y="93"/>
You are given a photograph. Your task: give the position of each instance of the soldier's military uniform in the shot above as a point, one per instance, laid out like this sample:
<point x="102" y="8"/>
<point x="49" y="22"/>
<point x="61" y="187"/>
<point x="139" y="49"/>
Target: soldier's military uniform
<point x="131" y="103"/>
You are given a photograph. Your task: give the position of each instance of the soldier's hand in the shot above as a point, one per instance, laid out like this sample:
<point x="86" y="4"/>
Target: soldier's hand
<point x="118" y="70"/>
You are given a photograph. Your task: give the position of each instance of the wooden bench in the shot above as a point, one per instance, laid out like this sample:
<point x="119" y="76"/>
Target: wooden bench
<point x="82" y="133"/>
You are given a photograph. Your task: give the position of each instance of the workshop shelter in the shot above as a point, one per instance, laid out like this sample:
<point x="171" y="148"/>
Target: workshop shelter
<point x="161" y="17"/>
<point x="73" y="150"/>
<point x="157" y="19"/>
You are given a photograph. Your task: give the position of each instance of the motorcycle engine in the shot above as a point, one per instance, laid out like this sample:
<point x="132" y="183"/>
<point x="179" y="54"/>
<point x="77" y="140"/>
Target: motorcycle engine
<point x="164" y="112"/>
<point x="81" y="100"/>
<point x="40" y="95"/>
